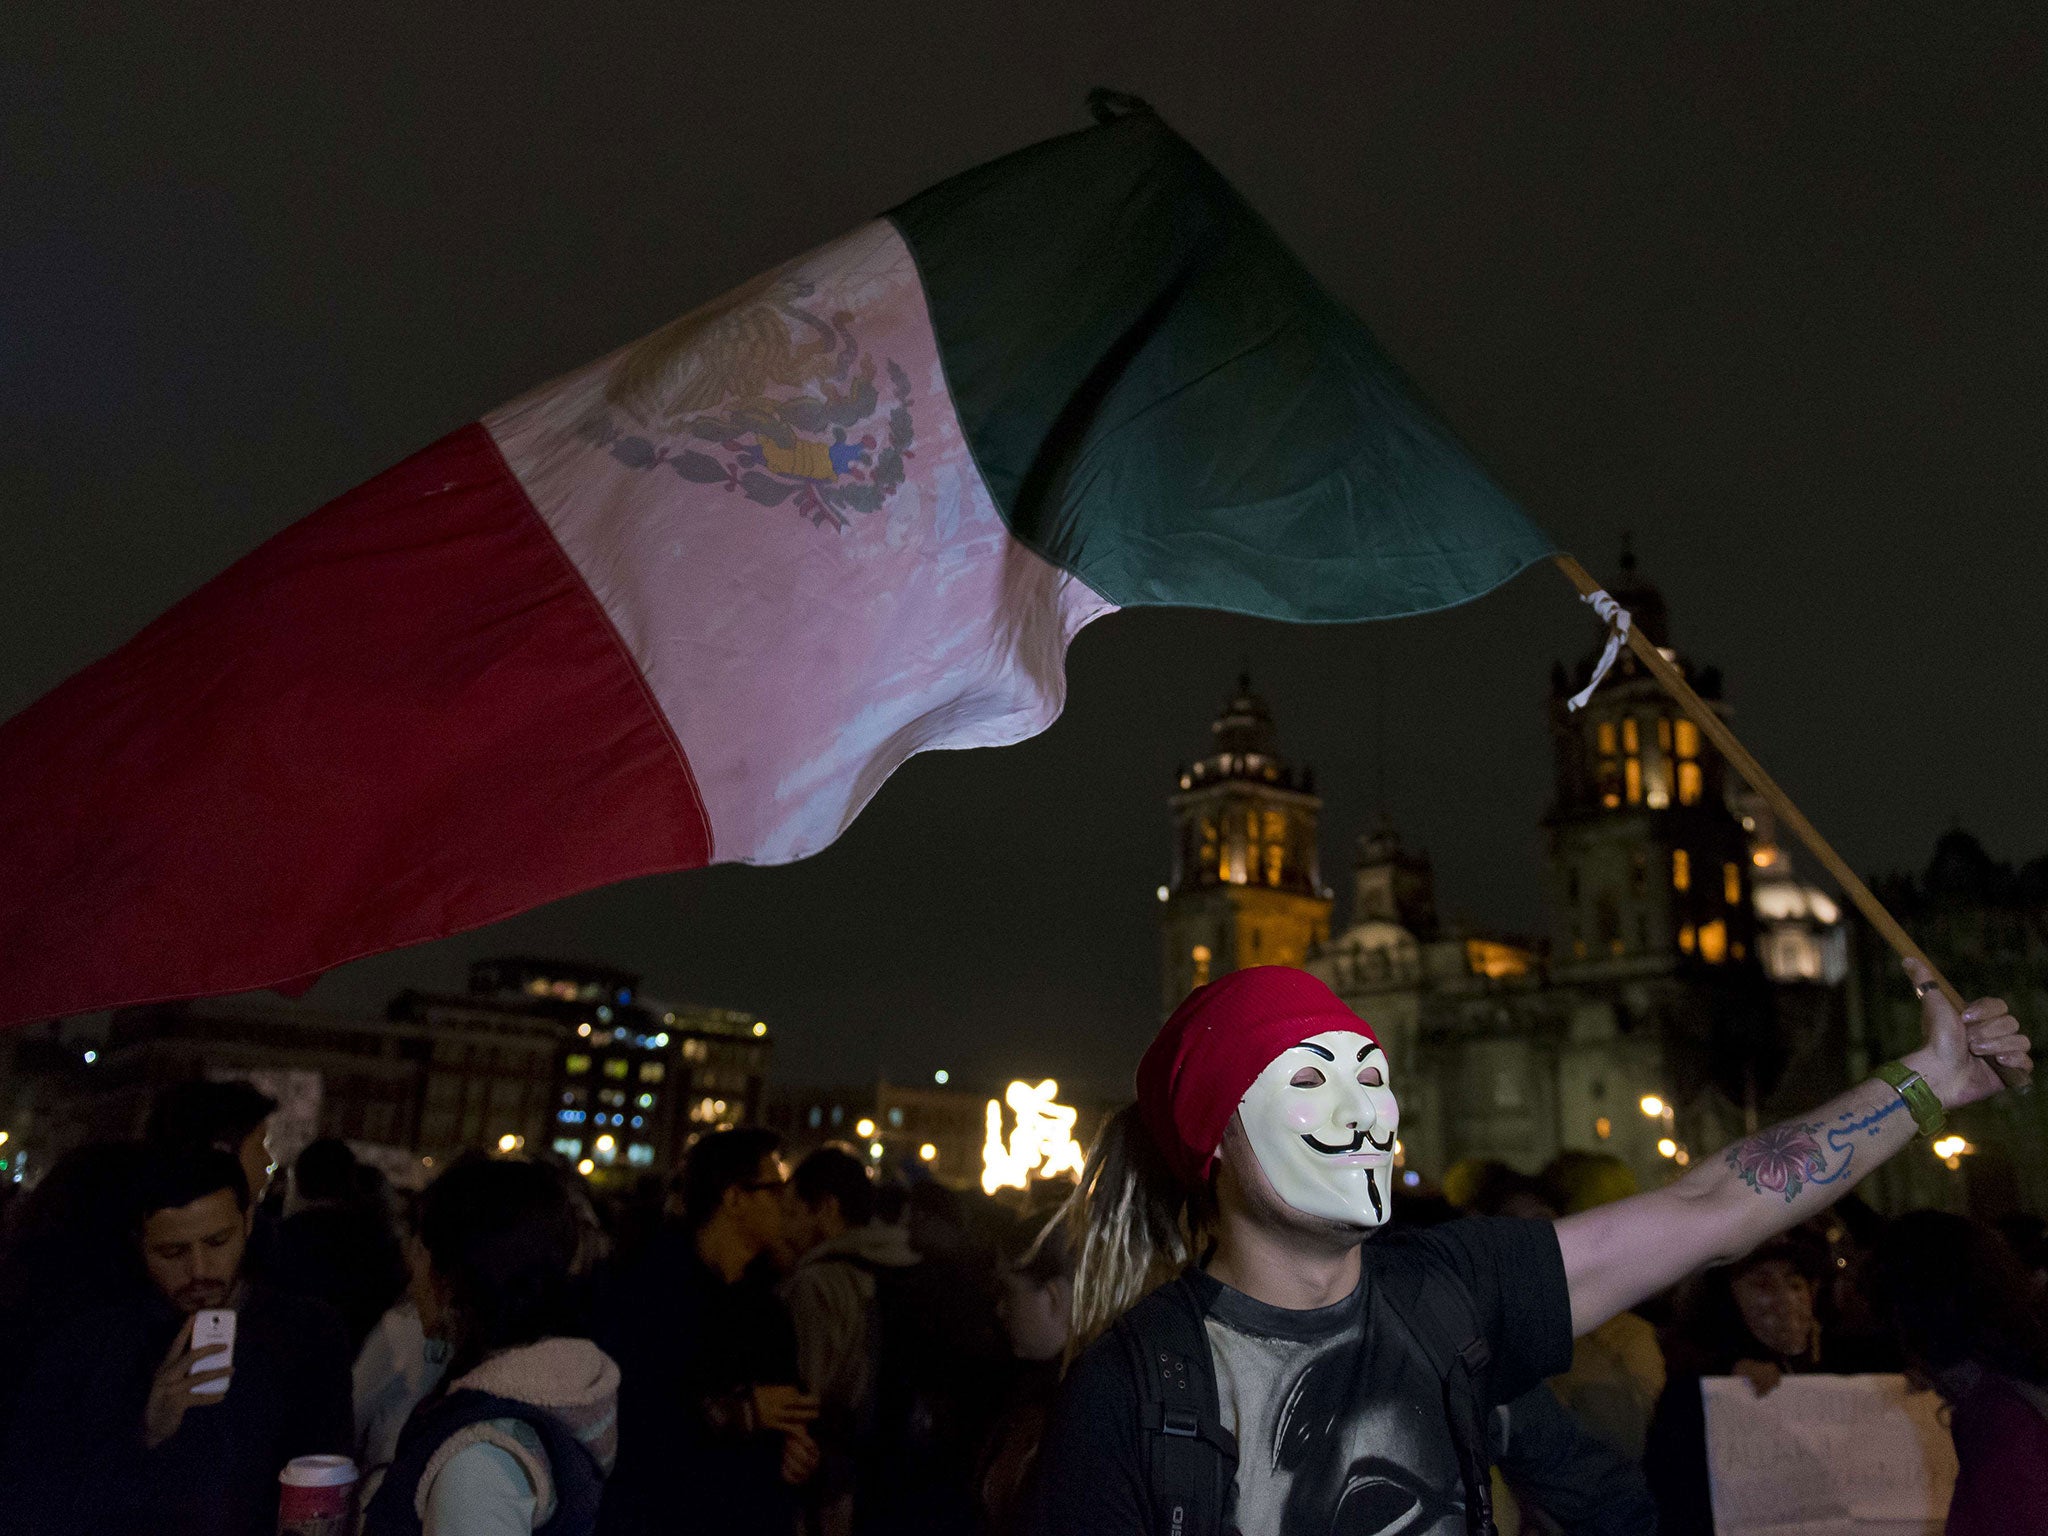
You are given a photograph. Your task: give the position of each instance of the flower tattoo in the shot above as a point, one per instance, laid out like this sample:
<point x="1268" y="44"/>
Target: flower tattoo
<point x="1780" y="1161"/>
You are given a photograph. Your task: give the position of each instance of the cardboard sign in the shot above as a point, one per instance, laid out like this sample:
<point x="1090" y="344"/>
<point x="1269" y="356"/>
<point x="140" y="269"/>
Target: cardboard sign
<point x="1827" y="1456"/>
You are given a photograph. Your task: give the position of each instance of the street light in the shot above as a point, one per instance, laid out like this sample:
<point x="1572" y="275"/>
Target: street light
<point x="1952" y="1150"/>
<point x="1666" y="1147"/>
<point x="927" y="1152"/>
<point x="942" y="1077"/>
<point x="1653" y="1106"/>
<point x="510" y="1143"/>
<point x="875" y="1150"/>
<point x="863" y="1127"/>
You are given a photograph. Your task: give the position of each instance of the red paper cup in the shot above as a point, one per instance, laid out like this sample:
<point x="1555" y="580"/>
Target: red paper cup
<point x="314" y="1496"/>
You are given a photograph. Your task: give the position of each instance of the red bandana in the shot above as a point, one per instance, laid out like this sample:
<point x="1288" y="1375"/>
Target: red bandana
<point x="1212" y="1050"/>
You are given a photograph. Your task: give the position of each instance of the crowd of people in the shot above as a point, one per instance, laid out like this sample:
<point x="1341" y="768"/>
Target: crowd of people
<point x="751" y="1347"/>
<point x="767" y="1349"/>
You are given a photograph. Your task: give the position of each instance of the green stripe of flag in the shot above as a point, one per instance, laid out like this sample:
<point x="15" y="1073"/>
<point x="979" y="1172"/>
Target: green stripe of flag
<point x="1164" y="402"/>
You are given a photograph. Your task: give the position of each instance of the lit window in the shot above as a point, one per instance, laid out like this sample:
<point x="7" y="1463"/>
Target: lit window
<point x="575" y="1065"/>
<point x="1274" y="854"/>
<point x="1603" y="1127"/>
<point x="1630" y="742"/>
<point x="1276" y="826"/>
<point x="645" y="1101"/>
<point x="640" y="1155"/>
<point x="1681" y="870"/>
<point x="618" y="1066"/>
<point x="1685" y="938"/>
<point x="896" y="1118"/>
<point x="838" y="1113"/>
<point x="652" y="1071"/>
<point x="568" y="1146"/>
<point x="1605" y="736"/>
<point x="1690" y="785"/>
<point x="1632" y="779"/>
<point x="571" y="1117"/>
<point x="1687" y="737"/>
<point x="1714" y="942"/>
<point x="1731" y="883"/>
<point x="1201" y="956"/>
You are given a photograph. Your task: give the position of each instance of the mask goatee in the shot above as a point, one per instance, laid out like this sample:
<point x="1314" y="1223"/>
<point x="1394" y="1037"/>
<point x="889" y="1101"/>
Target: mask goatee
<point x="1372" y="1188"/>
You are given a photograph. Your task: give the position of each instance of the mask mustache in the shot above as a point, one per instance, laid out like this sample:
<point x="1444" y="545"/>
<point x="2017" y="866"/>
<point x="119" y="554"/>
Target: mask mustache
<point x="1359" y="1138"/>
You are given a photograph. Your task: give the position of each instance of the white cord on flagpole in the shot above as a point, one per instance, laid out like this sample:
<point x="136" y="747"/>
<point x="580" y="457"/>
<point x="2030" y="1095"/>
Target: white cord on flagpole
<point x="1617" y="621"/>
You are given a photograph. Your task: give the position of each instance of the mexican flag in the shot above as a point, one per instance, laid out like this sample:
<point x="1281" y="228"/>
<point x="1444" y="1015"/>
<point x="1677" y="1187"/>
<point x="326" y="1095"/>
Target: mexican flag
<point x="698" y="600"/>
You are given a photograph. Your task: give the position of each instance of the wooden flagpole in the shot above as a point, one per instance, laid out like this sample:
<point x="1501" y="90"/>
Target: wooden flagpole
<point x="1716" y="730"/>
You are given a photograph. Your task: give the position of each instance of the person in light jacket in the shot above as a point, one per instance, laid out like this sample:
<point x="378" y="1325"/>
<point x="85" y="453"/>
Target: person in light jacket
<point x="525" y="1431"/>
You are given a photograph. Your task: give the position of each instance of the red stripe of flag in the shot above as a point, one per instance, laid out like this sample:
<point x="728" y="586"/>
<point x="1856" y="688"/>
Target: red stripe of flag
<point x="403" y="717"/>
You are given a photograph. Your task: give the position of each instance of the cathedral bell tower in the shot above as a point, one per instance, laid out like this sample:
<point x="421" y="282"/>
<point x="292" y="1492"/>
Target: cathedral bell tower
<point x="1246" y="887"/>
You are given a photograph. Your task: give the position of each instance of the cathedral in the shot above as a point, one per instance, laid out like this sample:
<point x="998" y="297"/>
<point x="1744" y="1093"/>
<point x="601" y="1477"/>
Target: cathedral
<point x="1688" y="985"/>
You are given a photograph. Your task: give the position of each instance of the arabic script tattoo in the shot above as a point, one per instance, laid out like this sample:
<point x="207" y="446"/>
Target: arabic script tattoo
<point x="1787" y="1158"/>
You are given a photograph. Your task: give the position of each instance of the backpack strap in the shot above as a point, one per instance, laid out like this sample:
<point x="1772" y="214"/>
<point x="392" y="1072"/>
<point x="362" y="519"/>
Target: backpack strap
<point x="1191" y="1459"/>
<point x="1433" y="1305"/>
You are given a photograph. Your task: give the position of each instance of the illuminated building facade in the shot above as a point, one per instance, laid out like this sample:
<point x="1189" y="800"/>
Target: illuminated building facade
<point x="1246" y="885"/>
<point x="1684" y="961"/>
<point x="901" y="1120"/>
<point x="632" y="1081"/>
<point x="535" y="1055"/>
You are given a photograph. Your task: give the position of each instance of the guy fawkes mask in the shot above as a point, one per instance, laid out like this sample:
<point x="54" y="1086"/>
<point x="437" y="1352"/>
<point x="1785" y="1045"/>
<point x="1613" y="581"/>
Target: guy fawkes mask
<point x="1322" y="1119"/>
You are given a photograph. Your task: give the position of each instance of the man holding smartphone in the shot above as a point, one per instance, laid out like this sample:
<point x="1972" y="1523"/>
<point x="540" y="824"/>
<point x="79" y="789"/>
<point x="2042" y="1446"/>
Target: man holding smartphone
<point x="174" y="1412"/>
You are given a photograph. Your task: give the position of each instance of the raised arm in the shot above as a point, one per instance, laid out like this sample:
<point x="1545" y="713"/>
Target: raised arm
<point x="1618" y="1254"/>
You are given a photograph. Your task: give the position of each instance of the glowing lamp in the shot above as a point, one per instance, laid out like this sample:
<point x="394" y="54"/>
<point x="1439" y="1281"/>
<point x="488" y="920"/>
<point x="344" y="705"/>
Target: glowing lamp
<point x="586" y="1167"/>
<point x="1666" y="1147"/>
<point x="927" y="1152"/>
<point x="1653" y="1106"/>
<point x="863" y="1127"/>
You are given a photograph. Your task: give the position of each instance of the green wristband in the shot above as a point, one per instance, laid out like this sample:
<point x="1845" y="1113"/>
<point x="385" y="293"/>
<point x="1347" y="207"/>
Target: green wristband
<point x="1928" y="1113"/>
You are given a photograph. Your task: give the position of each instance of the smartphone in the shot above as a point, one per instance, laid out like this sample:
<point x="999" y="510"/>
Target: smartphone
<point x="213" y="1341"/>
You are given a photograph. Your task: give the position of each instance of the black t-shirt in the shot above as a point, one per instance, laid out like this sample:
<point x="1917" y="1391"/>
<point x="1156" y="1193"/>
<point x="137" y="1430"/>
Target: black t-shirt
<point x="1339" y="1418"/>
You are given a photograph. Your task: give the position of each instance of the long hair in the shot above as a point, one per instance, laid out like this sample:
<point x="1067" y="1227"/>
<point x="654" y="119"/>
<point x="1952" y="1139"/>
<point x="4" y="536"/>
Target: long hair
<point x="504" y="1238"/>
<point x="1131" y="1226"/>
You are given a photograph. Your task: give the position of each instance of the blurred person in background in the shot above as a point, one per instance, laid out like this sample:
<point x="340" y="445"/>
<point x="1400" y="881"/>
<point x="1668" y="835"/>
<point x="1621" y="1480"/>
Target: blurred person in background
<point x="123" y="1426"/>
<point x="1035" y="1302"/>
<point x="231" y="1115"/>
<point x="70" y="1248"/>
<point x="524" y="1433"/>
<point x="1754" y="1318"/>
<point x="714" y="1428"/>
<point x="843" y="1259"/>
<point x="1853" y="1322"/>
<point x="1969" y="1324"/>
<point x="1617" y="1373"/>
<point x="336" y="1242"/>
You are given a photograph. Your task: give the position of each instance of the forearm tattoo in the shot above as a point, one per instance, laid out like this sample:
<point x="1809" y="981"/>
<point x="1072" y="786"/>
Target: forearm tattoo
<point x="1786" y="1158"/>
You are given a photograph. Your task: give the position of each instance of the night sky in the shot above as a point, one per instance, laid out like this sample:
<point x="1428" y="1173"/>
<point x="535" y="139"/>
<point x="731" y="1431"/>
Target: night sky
<point x="1763" y="284"/>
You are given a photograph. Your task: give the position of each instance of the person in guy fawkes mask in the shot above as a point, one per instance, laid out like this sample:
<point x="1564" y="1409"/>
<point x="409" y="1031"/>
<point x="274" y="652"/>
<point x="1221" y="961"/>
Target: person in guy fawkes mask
<point x="1257" y="1356"/>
